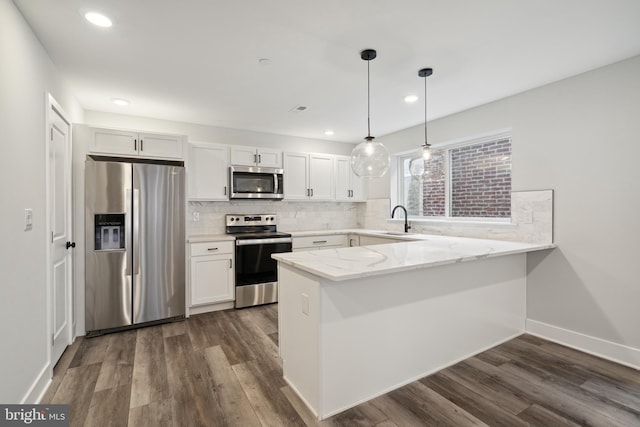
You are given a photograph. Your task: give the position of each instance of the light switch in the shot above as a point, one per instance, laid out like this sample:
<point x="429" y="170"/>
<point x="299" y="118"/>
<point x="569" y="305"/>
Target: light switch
<point x="305" y="303"/>
<point x="28" y="219"/>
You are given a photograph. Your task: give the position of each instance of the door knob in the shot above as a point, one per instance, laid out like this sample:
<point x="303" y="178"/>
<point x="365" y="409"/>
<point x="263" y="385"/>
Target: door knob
<point x="71" y="245"/>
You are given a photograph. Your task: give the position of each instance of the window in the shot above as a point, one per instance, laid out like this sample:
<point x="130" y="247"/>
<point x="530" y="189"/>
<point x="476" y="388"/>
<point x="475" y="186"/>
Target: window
<point x="471" y="180"/>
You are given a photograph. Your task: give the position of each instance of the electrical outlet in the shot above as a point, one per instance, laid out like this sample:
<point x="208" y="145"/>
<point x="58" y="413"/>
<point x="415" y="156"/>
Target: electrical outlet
<point x="28" y="219"/>
<point x="196" y="216"/>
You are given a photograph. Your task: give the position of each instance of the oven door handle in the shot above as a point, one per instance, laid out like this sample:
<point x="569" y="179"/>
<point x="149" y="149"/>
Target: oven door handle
<point x="247" y="242"/>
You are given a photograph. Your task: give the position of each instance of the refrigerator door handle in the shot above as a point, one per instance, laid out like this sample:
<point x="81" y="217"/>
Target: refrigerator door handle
<point x="136" y="231"/>
<point x="128" y="232"/>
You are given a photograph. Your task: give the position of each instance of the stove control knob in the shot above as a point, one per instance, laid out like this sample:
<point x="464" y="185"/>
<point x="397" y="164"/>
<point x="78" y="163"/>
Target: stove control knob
<point x="232" y="219"/>
<point x="237" y="219"/>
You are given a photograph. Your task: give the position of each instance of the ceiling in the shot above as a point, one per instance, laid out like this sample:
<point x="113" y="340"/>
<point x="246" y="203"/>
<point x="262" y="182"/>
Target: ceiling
<point x="198" y="61"/>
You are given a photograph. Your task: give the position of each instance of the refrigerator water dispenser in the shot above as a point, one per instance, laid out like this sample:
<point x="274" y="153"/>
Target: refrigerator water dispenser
<point x="109" y="232"/>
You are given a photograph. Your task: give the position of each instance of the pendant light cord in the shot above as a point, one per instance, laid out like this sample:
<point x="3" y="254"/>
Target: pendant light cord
<point x="368" y="102"/>
<point x="425" y="113"/>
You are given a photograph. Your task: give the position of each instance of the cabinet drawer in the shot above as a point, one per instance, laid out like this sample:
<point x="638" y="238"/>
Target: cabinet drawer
<point x="319" y="241"/>
<point x="212" y="248"/>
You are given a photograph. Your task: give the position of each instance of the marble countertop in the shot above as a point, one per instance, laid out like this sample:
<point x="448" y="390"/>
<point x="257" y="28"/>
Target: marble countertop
<point x="361" y="231"/>
<point x="430" y="251"/>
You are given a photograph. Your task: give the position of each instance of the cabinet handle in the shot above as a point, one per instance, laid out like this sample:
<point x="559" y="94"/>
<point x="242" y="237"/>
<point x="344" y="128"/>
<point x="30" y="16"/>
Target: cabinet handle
<point x="317" y="242"/>
<point x="225" y="190"/>
<point x="259" y="158"/>
<point x="255" y="158"/>
<point x="212" y="249"/>
<point x="230" y="263"/>
<point x="311" y="192"/>
<point x="141" y="142"/>
<point x="350" y="243"/>
<point x="135" y="145"/>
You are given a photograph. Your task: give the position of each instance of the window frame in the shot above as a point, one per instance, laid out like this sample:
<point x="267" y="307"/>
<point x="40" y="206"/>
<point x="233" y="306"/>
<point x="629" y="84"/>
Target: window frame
<point x="398" y="176"/>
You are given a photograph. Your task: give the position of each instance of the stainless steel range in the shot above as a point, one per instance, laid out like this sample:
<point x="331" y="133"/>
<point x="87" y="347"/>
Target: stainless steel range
<point x="256" y="272"/>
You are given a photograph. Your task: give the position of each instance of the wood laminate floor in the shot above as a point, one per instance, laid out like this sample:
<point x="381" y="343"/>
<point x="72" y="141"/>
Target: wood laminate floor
<point x="222" y="369"/>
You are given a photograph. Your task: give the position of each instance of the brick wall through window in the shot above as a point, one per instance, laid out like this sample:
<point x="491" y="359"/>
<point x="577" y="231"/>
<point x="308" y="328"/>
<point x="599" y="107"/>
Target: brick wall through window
<point x="481" y="180"/>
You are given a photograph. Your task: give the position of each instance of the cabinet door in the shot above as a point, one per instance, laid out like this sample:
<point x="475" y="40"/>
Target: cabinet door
<point x="358" y="186"/>
<point x="269" y="158"/>
<point x="296" y="167"/>
<point x="321" y="180"/>
<point x="374" y="240"/>
<point x="208" y="172"/>
<point x="160" y="146"/>
<point x="118" y="142"/>
<point x="343" y="174"/>
<point x="245" y="156"/>
<point x="211" y="279"/>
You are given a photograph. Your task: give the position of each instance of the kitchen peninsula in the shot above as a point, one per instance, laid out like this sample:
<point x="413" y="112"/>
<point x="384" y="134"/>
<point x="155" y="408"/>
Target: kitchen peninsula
<point x="357" y="322"/>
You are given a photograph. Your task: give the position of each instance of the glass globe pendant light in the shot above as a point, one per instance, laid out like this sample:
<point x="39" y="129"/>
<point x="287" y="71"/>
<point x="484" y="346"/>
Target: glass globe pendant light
<point x="369" y="159"/>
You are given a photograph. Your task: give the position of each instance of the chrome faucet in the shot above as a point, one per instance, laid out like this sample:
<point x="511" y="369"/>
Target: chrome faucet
<point x="406" y="224"/>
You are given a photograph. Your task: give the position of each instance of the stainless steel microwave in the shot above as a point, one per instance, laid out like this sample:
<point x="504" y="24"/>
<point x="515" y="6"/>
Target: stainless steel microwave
<point x="252" y="182"/>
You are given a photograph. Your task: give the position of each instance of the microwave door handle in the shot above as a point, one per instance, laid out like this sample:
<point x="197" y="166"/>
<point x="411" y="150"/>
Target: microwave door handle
<point x="275" y="184"/>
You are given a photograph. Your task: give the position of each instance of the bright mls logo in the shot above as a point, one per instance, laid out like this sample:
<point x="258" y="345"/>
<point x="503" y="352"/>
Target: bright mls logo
<point x="34" y="415"/>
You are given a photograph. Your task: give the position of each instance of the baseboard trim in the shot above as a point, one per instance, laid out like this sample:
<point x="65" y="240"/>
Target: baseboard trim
<point x="39" y="387"/>
<point x="614" y="352"/>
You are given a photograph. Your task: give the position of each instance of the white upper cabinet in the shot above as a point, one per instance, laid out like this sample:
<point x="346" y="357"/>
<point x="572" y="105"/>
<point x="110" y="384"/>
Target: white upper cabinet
<point x="308" y="177"/>
<point x="349" y="186"/>
<point x="296" y="176"/>
<point x="208" y="171"/>
<point x="321" y="177"/>
<point x="254" y="156"/>
<point x="135" y="144"/>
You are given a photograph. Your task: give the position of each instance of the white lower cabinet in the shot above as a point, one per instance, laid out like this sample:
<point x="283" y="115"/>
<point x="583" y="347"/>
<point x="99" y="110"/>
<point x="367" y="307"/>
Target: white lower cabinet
<point x="212" y="279"/>
<point x="376" y="240"/>
<point x="310" y="243"/>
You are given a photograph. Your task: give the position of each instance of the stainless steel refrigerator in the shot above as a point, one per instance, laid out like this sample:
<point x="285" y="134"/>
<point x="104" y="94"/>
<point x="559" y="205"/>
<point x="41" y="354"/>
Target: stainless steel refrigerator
<point x="135" y="243"/>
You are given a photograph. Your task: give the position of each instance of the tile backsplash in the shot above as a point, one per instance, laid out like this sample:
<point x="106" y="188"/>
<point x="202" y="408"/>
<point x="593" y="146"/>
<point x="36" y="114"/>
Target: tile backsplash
<point x="531" y="221"/>
<point x="292" y="216"/>
<point x="532" y="218"/>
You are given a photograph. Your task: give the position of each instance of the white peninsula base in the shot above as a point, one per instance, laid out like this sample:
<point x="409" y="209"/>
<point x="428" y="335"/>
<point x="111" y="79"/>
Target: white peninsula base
<point x="345" y="342"/>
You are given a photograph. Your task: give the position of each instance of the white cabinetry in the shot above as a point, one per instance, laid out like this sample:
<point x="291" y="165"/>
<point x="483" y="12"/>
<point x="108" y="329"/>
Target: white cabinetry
<point x="211" y="275"/>
<point x="135" y="144"/>
<point x="308" y="177"/>
<point x="376" y="240"/>
<point x="254" y="156"/>
<point x="307" y="243"/>
<point x="349" y="186"/>
<point x="208" y="171"/>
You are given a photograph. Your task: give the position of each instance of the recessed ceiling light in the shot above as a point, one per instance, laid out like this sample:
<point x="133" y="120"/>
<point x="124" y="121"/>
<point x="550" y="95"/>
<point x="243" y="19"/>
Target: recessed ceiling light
<point x="328" y="132"/>
<point x="121" y="102"/>
<point x="98" y="19"/>
<point x="410" y="98"/>
<point x="264" y="61"/>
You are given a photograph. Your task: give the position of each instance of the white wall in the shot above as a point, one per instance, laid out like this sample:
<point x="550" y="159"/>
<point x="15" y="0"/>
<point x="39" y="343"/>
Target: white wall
<point x="579" y="137"/>
<point x="219" y="135"/>
<point x="26" y="75"/>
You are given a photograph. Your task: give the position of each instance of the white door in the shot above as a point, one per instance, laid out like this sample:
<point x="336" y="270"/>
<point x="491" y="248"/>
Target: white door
<point x="59" y="212"/>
